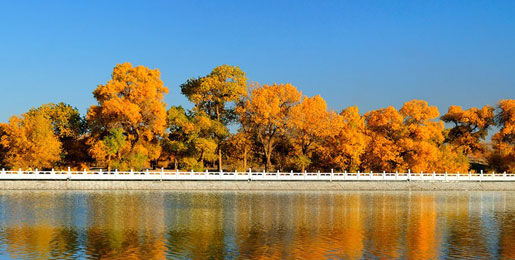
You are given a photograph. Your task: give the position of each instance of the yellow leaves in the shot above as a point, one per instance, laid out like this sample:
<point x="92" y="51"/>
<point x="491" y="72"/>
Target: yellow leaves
<point x="470" y="127"/>
<point x="266" y="112"/>
<point x="309" y="123"/>
<point x="418" y="111"/>
<point x="385" y="120"/>
<point x="30" y="142"/>
<point x="270" y="104"/>
<point x="132" y="100"/>
<point x="503" y="158"/>
<point x="506" y="119"/>
<point x="344" y="148"/>
<point x="225" y="84"/>
<point x="408" y="139"/>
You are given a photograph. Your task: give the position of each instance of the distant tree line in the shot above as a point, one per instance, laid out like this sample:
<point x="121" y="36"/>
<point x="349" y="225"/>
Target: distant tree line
<point x="274" y="127"/>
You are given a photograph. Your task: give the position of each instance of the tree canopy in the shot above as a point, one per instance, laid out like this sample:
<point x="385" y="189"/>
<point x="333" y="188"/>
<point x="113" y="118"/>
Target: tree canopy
<point x="230" y="124"/>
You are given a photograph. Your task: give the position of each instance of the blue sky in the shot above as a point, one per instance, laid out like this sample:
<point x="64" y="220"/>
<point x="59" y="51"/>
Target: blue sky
<point x="366" y="53"/>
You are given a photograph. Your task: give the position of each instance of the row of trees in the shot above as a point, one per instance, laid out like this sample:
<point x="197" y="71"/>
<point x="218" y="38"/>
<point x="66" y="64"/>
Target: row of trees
<point x="274" y="127"/>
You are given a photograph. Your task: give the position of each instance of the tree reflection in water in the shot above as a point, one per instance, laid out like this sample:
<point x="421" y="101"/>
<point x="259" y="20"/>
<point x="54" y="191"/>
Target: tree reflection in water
<point x="257" y="225"/>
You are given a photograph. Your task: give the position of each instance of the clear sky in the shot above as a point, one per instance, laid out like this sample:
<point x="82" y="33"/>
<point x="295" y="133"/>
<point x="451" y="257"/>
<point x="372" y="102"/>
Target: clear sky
<point x="366" y="53"/>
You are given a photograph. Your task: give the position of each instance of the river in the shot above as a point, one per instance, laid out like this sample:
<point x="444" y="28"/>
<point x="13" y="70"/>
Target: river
<point x="257" y="225"/>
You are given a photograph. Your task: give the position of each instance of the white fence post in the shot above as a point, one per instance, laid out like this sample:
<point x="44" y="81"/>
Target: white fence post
<point x="332" y="174"/>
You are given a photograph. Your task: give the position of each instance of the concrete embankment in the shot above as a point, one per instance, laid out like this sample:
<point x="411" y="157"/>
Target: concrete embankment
<point x="254" y="185"/>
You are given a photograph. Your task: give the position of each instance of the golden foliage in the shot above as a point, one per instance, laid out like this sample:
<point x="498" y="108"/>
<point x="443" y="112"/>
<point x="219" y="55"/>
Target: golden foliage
<point x="267" y="111"/>
<point x="503" y="157"/>
<point x="309" y="123"/>
<point x="211" y="95"/>
<point x="409" y="139"/>
<point x="132" y="100"/>
<point x="384" y="127"/>
<point x="343" y="149"/>
<point x="470" y="127"/>
<point x="131" y="128"/>
<point x="30" y="142"/>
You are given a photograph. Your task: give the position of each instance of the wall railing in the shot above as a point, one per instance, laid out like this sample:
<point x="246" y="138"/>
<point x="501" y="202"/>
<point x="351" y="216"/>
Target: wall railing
<point x="166" y="175"/>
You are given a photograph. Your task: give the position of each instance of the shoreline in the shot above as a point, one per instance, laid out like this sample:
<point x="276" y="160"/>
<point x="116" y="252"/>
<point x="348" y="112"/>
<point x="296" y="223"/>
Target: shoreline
<point x="257" y="185"/>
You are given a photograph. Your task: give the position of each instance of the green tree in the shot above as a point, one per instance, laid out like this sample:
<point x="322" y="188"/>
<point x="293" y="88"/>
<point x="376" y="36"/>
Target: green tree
<point x="70" y="127"/>
<point x="192" y="137"/>
<point x="215" y="95"/>
<point x="114" y="142"/>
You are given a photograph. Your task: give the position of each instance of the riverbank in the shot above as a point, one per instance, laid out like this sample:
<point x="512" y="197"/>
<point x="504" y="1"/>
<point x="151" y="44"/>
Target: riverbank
<point x="254" y="185"/>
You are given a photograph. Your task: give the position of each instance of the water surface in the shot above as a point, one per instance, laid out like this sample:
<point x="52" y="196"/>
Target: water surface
<point x="253" y="225"/>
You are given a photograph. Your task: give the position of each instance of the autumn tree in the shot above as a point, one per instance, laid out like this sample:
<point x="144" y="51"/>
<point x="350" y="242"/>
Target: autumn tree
<point x="3" y="149"/>
<point x="69" y="126"/>
<point x="384" y="127"/>
<point x="267" y="112"/>
<point x="239" y="146"/>
<point x="422" y="136"/>
<point x="215" y="95"/>
<point x="470" y="127"/>
<point x="503" y="157"/>
<point x="344" y="150"/>
<point x="191" y="137"/>
<point x="309" y="123"/>
<point x="30" y="142"/>
<point x="132" y="100"/>
<point x="110" y="148"/>
<point x="175" y="143"/>
<point x="410" y="138"/>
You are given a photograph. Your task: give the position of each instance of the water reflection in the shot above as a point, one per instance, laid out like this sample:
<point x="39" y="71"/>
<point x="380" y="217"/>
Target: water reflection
<point x="257" y="225"/>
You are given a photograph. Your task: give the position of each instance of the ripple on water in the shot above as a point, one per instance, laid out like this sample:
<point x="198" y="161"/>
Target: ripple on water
<point x="250" y="225"/>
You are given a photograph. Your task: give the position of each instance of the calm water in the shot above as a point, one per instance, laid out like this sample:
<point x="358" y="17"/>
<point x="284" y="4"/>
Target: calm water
<point x="251" y="225"/>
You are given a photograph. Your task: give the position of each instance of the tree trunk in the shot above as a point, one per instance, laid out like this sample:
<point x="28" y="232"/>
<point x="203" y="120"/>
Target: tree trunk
<point x="220" y="159"/>
<point x="268" y="154"/>
<point x="268" y="165"/>
<point x="109" y="163"/>
<point x="245" y="151"/>
<point x="219" y="142"/>
<point x="175" y="163"/>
